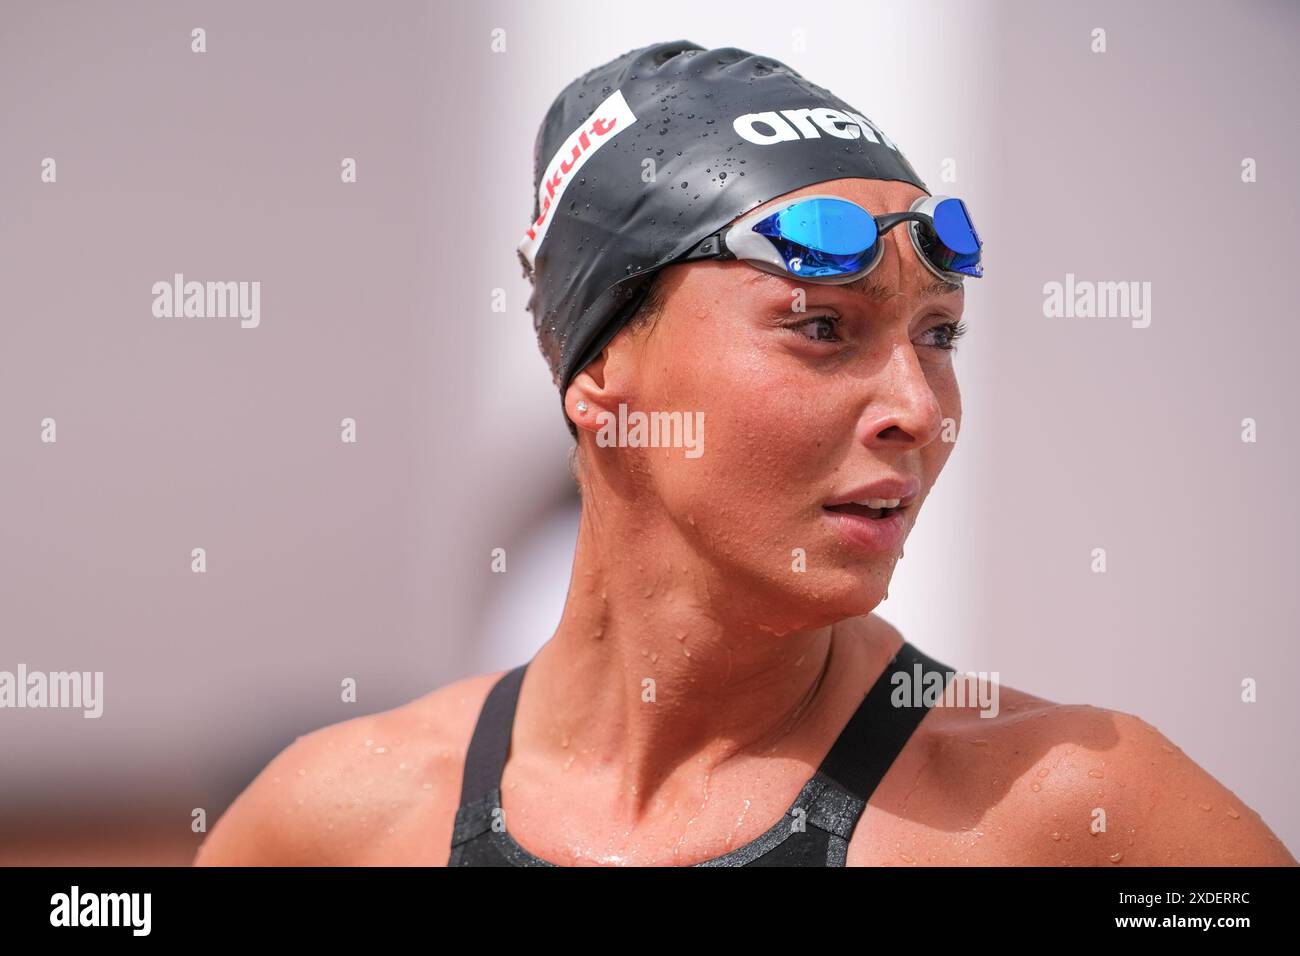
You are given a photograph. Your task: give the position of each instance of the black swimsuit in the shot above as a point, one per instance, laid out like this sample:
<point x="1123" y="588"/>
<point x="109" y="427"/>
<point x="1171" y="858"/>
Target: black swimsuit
<point x="825" y="811"/>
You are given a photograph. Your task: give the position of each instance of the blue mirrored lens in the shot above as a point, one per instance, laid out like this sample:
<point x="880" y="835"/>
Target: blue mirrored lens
<point x="958" y="249"/>
<point x="822" y="237"/>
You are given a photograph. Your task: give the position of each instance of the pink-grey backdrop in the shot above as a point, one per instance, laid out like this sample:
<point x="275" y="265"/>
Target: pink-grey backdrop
<point x="370" y="561"/>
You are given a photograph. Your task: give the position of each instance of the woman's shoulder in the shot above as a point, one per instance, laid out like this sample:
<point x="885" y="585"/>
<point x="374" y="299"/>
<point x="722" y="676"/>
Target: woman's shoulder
<point x="379" y="788"/>
<point x="1073" y="784"/>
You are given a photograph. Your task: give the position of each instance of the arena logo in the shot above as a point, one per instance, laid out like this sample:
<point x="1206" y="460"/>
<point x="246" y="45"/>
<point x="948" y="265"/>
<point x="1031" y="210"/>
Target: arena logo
<point x="208" y="300"/>
<point x="651" y="430"/>
<point x="1098" y="300"/>
<point x="609" y="119"/>
<point x="786" y="125"/>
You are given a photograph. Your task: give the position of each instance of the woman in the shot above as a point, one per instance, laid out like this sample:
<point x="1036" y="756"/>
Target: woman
<point x="717" y="239"/>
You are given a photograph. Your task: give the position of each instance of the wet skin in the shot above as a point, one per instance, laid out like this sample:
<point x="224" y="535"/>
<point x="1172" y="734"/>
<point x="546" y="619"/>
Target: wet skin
<point x="683" y="575"/>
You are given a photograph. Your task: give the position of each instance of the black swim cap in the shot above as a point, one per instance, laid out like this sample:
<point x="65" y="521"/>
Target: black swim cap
<point x="640" y="159"/>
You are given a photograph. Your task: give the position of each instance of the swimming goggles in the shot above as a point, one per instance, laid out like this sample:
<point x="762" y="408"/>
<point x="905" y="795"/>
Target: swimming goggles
<point x="832" y="240"/>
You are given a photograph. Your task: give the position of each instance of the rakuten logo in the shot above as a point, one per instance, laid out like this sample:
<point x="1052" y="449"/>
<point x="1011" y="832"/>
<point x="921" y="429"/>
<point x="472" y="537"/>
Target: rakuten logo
<point x="786" y="125"/>
<point x="610" y="118"/>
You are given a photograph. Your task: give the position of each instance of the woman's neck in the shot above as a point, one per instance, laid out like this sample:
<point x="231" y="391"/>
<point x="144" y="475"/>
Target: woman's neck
<point x="650" y="672"/>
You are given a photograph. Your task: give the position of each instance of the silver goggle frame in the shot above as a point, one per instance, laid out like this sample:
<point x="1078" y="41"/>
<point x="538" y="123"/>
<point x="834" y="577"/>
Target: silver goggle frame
<point x="740" y="241"/>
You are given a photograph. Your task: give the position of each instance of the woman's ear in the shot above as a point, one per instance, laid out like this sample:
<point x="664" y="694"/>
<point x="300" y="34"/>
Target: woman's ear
<point x="611" y="378"/>
<point x="585" y="398"/>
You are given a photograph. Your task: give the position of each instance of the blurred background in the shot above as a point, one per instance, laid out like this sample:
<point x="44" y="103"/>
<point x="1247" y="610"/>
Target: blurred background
<point x="371" y="561"/>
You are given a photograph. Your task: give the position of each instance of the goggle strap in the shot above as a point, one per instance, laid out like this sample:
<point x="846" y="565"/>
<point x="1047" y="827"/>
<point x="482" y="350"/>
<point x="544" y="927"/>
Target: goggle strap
<point x="711" y="248"/>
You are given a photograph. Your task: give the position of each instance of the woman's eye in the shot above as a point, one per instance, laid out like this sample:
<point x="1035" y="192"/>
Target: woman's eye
<point x="820" y="328"/>
<point x="945" y="335"/>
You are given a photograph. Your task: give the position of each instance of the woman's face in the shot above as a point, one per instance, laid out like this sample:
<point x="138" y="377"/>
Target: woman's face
<point x="802" y="411"/>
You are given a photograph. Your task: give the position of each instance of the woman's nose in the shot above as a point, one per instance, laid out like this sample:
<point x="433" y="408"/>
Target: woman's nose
<point x="903" y="408"/>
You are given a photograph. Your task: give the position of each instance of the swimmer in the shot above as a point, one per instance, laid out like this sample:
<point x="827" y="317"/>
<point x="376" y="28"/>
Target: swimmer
<point x="716" y="236"/>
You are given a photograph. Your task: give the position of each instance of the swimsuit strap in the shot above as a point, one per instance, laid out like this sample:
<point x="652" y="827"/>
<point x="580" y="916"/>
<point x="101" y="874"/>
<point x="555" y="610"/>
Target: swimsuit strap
<point x="880" y="728"/>
<point x="485" y="761"/>
<point x="830" y="802"/>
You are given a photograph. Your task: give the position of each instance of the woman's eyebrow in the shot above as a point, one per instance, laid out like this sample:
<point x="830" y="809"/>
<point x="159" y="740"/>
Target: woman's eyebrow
<point x="867" y="286"/>
<point x="879" y="293"/>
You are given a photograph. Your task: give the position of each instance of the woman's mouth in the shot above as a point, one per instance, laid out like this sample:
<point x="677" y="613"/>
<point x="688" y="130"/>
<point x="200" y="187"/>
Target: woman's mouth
<point x="876" y="525"/>
<point x="871" y="508"/>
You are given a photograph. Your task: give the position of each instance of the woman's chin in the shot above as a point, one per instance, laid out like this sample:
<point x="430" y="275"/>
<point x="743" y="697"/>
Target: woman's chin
<point x="854" y="594"/>
<point x="814" y="597"/>
<point x="827" y="601"/>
